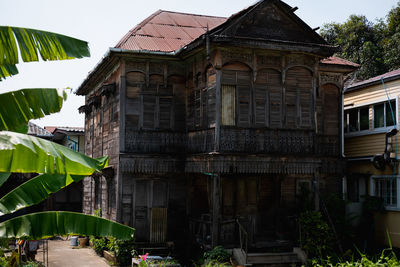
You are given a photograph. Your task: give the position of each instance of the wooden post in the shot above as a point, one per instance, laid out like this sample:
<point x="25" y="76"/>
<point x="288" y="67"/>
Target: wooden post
<point x="215" y="210"/>
<point x="218" y="110"/>
<point x="122" y="109"/>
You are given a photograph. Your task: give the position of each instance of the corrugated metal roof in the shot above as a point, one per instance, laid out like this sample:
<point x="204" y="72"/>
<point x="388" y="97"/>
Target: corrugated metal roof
<point x="36" y="130"/>
<point x="167" y="31"/>
<point x="388" y="75"/>
<point x="339" y="61"/>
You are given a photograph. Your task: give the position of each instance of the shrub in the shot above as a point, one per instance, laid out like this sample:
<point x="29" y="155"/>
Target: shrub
<point x="217" y="254"/>
<point x="99" y="244"/>
<point x="316" y="236"/>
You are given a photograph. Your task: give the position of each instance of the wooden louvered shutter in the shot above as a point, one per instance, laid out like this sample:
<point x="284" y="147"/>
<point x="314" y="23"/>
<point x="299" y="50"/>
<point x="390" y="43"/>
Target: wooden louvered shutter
<point x="261" y="97"/>
<point x="243" y="98"/>
<point x="267" y="96"/>
<point x="197" y="107"/>
<point x="305" y="90"/>
<point x="165" y="112"/>
<point x="291" y="111"/>
<point x="149" y="111"/>
<point x="211" y="105"/>
<point x="228" y="104"/>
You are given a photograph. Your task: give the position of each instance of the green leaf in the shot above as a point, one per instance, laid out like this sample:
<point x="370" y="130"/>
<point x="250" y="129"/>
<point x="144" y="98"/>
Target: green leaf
<point x="29" y="154"/>
<point x="3" y="177"/>
<point x="27" y="104"/>
<point x="31" y="42"/>
<point x="7" y="70"/>
<point x="35" y="191"/>
<point x="47" y="224"/>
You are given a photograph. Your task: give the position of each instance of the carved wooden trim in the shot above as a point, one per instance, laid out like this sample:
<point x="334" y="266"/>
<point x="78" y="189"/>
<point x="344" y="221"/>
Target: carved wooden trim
<point x="329" y="77"/>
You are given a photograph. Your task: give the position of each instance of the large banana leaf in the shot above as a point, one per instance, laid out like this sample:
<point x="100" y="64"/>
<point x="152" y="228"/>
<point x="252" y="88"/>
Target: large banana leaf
<point x="31" y="42"/>
<point x="18" y="107"/>
<point x="3" y="177"/>
<point x="7" y="70"/>
<point x="47" y="224"/>
<point x="35" y="191"/>
<point x="29" y="154"/>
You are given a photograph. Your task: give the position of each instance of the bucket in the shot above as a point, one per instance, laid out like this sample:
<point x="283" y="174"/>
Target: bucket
<point x="74" y="241"/>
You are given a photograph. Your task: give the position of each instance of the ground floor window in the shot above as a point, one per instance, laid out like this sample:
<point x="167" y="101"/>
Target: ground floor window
<point x="386" y="187"/>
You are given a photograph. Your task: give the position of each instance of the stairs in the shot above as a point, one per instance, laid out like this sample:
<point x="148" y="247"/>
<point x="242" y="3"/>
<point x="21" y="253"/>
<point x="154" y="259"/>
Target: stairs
<point x="294" y="258"/>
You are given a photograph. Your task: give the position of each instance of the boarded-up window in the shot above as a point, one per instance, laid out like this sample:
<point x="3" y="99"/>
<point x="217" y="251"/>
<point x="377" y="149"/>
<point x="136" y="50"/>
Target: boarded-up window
<point x="228" y="104"/>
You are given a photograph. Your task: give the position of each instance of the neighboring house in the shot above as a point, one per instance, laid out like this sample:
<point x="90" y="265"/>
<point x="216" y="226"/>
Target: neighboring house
<point x="69" y="198"/>
<point x="207" y="120"/>
<point x="371" y="148"/>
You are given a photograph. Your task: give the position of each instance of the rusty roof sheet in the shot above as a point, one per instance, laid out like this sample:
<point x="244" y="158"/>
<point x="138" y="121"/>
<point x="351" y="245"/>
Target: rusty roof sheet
<point x="167" y="31"/>
<point x="339" y="61"/>
<point x="394" y="74"/>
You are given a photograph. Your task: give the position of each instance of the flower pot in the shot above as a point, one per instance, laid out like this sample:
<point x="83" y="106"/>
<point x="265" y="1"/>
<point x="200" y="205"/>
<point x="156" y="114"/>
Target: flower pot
<point x="82" y="242"/>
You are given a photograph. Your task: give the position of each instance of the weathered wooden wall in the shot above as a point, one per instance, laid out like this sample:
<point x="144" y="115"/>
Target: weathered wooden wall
<point x="102" y="122"/>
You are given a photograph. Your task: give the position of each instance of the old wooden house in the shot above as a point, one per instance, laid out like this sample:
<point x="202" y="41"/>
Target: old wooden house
<point x="214" y="124"/>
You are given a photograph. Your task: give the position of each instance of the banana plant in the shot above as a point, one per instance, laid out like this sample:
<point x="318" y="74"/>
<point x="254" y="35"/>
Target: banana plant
<point x="56" y="165"/>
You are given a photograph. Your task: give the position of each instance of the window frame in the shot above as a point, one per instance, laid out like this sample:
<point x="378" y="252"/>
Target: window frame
<point x="384" y="114"/>
<point x="373" y="130"/>
<point x="373" y="179"/>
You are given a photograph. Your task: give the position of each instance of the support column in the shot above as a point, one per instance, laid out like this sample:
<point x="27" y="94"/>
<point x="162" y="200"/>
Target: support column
<point x="215" y="209"/>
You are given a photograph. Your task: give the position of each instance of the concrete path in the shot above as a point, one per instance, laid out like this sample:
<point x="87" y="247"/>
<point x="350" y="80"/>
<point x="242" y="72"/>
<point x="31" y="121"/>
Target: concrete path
<point x="61" y="254"/>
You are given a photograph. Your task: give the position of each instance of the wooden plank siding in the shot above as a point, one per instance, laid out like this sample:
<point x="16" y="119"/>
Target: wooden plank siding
<point x="369" y="142"/>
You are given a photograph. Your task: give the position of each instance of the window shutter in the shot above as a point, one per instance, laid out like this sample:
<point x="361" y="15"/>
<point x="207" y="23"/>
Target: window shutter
<point x="243" y="105"/>
<point x="228" y="104"/>
<point x="165" y="112"/>
<point x="149" y="111"/>
<point x="261" y="105"/>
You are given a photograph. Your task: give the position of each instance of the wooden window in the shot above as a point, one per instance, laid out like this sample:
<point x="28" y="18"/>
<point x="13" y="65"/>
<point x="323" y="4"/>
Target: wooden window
<point x="298" y="98"/>
<point x="228" y="105"/>
<point x="268" y="98"/>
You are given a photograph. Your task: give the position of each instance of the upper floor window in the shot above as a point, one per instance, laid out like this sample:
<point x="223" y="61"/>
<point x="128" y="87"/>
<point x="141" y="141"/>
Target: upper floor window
<point x="383" y="114"/>
<point x="358" y="119"/>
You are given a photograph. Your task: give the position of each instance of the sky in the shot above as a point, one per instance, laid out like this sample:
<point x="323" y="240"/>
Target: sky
<point x="103" y="23"/>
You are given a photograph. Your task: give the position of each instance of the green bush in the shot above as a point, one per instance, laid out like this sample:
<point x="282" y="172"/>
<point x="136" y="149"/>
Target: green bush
<point x="386" y="259"/>
<point x="217" y="254"/>
<point x="124" y="251"/>
<point x="99" y="244"/>
<point x="316" y="236"/>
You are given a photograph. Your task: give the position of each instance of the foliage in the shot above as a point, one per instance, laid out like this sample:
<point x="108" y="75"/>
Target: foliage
<point x="27" y="104"/>
<point x="58" y="165"/>
<point x="99" y="244"/>
<point x="124" y="251"/>
<point x="375" y="46"/>
<point x="387" y="258"/>
<point x="31" y="42"/>
<point x="218" y="254"/>
<point x="316" y="235"/>
<point x="216" y="264"/>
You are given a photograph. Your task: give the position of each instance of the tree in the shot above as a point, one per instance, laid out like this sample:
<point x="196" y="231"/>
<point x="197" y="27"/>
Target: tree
<point x="375" y="46"/>
<point x="57" y="165"/>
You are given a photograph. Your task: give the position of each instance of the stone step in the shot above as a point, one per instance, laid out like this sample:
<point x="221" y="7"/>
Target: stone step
<point x="268" y="259"/>
<point x="272" y="258"/>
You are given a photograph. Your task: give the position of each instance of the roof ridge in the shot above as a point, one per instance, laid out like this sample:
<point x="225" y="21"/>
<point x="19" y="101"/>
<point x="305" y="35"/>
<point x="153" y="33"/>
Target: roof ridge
<point x="191" y="14"/>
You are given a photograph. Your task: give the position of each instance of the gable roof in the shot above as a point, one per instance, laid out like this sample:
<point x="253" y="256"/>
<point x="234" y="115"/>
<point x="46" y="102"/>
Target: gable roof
<point x="388" y="76"/>
<point x="167" y="31"/>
